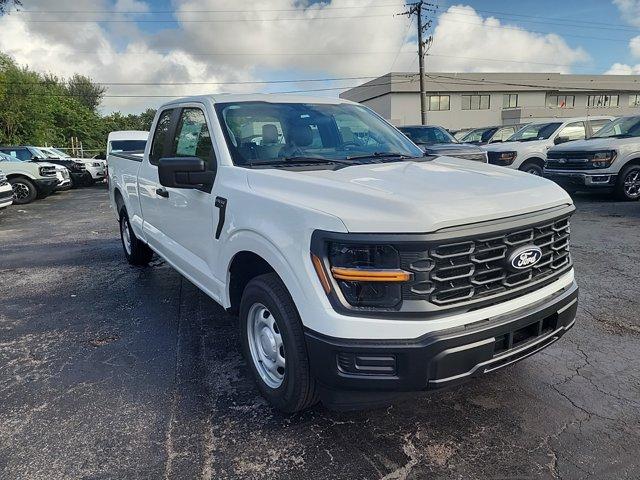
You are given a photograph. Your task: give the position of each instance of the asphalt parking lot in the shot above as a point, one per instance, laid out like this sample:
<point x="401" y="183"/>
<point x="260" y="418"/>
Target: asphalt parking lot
<point x="109" y="371"/>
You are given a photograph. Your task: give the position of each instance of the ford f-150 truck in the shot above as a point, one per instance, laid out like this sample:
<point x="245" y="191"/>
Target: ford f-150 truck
<point x="358" y="267"/>
<point x="527" y="149"/>
<point x="95" y="167"/>
<point x="610" y="160"/>
<point x="29" y="180"/>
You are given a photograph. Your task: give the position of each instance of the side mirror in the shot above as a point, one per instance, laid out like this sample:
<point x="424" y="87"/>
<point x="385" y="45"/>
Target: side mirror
<point x="35" y="159"/>
<point x="185" y="173"/>
<point x="559" y="140"/>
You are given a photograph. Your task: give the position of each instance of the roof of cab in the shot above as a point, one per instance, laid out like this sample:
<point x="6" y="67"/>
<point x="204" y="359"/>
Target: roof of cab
<point x="259" y="97"/>
<point x="128" y="135"/>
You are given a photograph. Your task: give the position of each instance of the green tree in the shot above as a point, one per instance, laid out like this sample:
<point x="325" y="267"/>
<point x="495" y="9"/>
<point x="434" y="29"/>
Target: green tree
<point x="88" y="92"/>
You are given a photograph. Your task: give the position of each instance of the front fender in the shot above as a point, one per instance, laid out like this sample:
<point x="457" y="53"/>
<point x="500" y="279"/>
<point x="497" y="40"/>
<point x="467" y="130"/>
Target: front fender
<point x="252" y="241"/>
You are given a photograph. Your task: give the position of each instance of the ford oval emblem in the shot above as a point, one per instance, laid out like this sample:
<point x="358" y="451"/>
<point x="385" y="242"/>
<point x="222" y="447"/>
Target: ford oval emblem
<point x="524" y="257"/>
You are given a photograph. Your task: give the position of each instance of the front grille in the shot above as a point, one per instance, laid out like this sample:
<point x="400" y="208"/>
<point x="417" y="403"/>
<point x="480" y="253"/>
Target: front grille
<point x="476" y="157"/>
<point x="569" y="161"/>
<point x="457" y="272"/>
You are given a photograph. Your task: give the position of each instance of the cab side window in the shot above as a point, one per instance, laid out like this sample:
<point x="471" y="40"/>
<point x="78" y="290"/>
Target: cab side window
<point x="192" y="137"/>
<point x="573" y="131"/>
<point x="160" y="136"/>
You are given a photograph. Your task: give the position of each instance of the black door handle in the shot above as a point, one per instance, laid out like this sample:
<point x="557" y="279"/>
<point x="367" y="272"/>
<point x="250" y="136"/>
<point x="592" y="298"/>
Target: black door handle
<point x="162" y="192"/>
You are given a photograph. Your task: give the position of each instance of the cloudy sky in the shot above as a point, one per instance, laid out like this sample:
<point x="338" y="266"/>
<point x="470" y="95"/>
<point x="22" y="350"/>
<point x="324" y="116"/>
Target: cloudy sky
<point x="148" y="51"/>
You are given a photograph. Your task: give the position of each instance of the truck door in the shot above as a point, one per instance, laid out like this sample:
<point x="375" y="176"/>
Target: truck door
<point x="180" y="223"/>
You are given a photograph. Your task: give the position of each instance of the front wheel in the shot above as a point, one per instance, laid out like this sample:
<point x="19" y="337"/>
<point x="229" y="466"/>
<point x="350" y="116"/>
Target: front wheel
<point x="273" y="344"/>
<point x="136" y="252"/>
<point x="628" y="184"/>
<point x="532" y="168"/>
<point x="24" y="191"/>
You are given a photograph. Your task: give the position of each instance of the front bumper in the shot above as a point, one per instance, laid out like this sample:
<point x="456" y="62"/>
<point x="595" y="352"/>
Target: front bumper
<point x="97" y="173"/>
<point x="46" y="186"/>
<point x="81" y="179"/>
<point x="591" y="180"/>
<point x="6" y="195"/>
<point x="355" y="373"/>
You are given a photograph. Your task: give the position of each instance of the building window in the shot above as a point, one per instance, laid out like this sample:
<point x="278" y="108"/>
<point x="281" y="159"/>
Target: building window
<point x="634" y="100"/>
<point x="510" y="100"/>
<point x="475" y="102"/>
<point x="438" y="102"/>
<point x="602" y="101"/>
<point x="561" y="101"/>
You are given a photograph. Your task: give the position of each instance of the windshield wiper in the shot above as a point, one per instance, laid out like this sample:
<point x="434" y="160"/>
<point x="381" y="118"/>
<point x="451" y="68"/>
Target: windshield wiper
<point x="379" y="155"/>
<point x="301" y="160"/>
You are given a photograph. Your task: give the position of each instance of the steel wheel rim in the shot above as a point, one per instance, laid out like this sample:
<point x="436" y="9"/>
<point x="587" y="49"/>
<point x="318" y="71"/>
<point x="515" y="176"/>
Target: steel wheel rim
<point x="20" y="191"/>
<point x="265" y="345"/>
<point x="632" y="184"/>
<point x="126" y="236"/>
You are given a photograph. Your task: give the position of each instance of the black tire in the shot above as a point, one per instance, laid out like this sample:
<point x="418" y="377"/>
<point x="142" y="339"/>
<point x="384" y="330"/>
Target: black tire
<point x="137" y="252"/>
<point x="24" y="191"/>
<point x="298" y="389"/>
<point x="628" y="184"/>
<point x="532" y="167"/>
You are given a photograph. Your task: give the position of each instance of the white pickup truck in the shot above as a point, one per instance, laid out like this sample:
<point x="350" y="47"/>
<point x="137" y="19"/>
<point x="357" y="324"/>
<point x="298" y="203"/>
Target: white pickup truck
<point x="526" y="150"/>
<point x="608" y="161"/>
<point x="358" y="267"/>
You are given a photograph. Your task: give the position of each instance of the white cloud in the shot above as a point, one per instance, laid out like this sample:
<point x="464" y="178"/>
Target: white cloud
<point x="634" y="46"/>
<point x="337" y="38"/>
<point x="629" y="10"/>
<point x="462" y="35"/>
<point x="623" y="69"/>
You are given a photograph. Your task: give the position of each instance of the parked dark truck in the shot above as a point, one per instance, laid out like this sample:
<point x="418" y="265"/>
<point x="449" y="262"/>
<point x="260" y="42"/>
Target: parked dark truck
<point x="358" y="267"/>
<point x="437" y="141"/>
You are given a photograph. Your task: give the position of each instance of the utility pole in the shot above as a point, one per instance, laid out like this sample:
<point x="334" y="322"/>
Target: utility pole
<point x="418" y="9"/>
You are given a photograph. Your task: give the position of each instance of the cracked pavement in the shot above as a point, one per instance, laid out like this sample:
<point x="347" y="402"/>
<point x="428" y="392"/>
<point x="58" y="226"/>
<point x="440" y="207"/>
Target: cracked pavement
<point x="109" y="371"/>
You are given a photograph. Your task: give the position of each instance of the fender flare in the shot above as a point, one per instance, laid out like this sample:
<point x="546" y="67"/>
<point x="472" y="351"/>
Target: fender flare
<point x="246" y="240"/>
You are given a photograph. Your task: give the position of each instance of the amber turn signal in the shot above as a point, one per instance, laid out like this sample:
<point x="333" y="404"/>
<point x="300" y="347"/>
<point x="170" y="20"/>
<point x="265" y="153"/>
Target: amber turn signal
<point x="363" y="275"/>
<point x="322" y="275"/>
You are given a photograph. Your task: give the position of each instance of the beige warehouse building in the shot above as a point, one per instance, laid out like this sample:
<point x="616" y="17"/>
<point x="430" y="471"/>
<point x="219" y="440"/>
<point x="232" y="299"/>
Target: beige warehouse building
<point x="466" y="100"/>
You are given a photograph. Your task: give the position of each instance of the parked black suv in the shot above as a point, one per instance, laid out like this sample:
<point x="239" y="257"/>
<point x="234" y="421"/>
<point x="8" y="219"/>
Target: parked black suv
<point x="77" y="170"/>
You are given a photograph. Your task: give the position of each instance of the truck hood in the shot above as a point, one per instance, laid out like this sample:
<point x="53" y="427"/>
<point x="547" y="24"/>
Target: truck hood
<point x="515" y="146"/>
<point x="450" y="148"/>
<point x="411" y="197"/>
<point x="594" y="144"/>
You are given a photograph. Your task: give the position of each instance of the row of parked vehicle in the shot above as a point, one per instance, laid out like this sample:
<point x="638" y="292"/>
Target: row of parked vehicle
<point x="30" y="172"/>
<point x="582" y="153"/>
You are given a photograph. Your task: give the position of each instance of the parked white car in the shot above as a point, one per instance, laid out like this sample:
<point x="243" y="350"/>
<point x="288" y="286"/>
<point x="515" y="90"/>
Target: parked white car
<point x="527" y="149"/>
<point x="29" y="180"/>
<point x="610" y="160"/>
<point x="97" y="168"/>
<point x="6" y="192"/>
<point x="358" y="267"/>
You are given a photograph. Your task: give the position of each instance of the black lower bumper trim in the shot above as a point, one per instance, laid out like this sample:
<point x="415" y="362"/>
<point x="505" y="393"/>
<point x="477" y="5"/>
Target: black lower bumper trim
<point x="346" y="369"/>
<point x="46" y="186"/>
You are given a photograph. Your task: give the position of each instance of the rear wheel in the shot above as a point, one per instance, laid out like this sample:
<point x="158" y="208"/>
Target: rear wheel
<point x="628" y="184"/>
<point x="137" y="252"/>
<point x="273" y="344"/>
<point x="24" y="191"/>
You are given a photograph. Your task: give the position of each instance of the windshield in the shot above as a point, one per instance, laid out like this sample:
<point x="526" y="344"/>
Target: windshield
<point x="270" y="133"/>
<point x="56" y="152"/>
<point x="127" y="145"/>
<point x="480" y="135"/>
<point x="536" y="131"/>
<point x="428" y="135"/>
<point x="622" y="127"/>
<point x="38" y="153"/>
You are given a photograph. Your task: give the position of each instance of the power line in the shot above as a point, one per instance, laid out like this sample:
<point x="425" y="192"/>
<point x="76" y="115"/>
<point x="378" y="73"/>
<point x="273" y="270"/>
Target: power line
<point x="217" y="20"/>
<point x="162" y="12"/>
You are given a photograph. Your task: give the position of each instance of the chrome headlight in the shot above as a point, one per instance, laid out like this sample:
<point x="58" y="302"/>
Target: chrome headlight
<point x="603" y="159"/>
